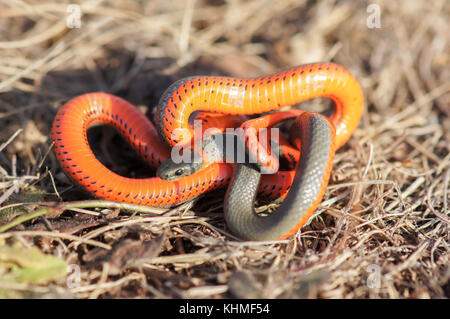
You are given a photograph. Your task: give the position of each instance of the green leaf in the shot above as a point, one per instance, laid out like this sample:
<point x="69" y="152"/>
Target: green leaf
<point x="29" y="265"/>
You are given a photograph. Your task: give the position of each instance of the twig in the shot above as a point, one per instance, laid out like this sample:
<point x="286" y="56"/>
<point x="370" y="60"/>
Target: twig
<point x="20" y="130"/>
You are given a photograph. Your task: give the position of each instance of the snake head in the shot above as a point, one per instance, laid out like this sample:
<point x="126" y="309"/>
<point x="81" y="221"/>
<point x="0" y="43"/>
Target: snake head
<point x="170" y="171"/>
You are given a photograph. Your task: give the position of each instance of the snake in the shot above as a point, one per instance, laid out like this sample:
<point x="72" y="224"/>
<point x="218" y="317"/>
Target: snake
<point x="184" y="98"/>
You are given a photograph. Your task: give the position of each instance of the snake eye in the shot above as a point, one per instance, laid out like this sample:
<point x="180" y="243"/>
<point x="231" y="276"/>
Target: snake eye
<point x="179" y="172"/>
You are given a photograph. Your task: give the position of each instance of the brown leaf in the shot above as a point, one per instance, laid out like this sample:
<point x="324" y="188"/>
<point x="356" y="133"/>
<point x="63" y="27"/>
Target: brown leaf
<point x="243" y="285"/>
<point x="128" y="253"/>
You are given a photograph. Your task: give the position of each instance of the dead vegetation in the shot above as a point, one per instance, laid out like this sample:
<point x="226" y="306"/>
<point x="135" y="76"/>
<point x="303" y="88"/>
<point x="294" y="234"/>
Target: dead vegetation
<point x="382" y="230"/>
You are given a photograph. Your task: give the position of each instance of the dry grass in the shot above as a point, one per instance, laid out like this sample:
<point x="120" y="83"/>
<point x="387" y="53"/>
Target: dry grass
<point x="387" y="206"/>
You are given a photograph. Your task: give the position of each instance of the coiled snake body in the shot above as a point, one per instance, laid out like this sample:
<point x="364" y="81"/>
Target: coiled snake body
<point x="231" y="96"/>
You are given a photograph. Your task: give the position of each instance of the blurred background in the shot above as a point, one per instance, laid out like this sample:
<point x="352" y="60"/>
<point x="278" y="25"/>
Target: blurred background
<point x="398" y="50"/>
